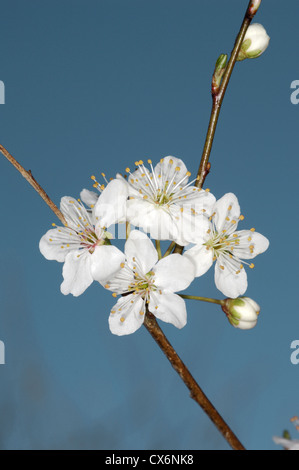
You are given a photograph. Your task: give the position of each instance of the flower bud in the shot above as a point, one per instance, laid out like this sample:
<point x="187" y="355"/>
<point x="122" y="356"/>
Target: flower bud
<point x="218" y="72"/>
<point x="255" y="42"/>
<point x="242" y="312"/>
<point x="254" y="6"/>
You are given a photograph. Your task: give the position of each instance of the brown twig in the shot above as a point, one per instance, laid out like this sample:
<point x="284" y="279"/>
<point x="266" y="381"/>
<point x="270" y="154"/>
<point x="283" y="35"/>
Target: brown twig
<point x="31" y="180"/>
<point x="196" y="392"/>
<point x="219" y="95"/>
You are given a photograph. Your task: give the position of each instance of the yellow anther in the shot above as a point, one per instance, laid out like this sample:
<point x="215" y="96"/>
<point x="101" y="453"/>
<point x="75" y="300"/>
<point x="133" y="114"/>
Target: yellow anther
<point x="238" y="272"/>
<point x="50" y="240"/>
<point x="95" y="185"/>
<point x="182" y="209"/>
<point x="241" y="266"/>
<point x="177" y="168"/>
<point x="162" y="160"/>
<point x="145" y="197"/>
<point x="149" y="161"/>
<point x="241" y="217"/>
<point x="68" y="245"/>
<point x="171" y="161"/>
<point x="188" y="173"/>
<point x="122" y="319"/>
<point x="251" y="266"/>
<point x="214" y="258"/>
<point x="62" y="246"/>
<point x="53" y="225"/>
<point x="252" y="229"/>
<point x="227" y="218"/>
<point x="235" y="235"/>
<point x="122" y="265"/>
<point x="156" y="307"/>
<point x="102" y="187"/>
<point x="106" y="286"/>
<point x="141" y="313"/>
<point x="114" y="294"/>
<point x="295" y="418"/>
<point x="249" y="239"/>
<point x="233" y="222"/>
<point x="93" y="177"/>
<point x="128" y="170"/>
<point x="136" y="163"/>
<point x="222" y="267"/>
<point x="207" y="190"/>
<point x="112" y="311"/>
<point x="103" y="174"/>
<point x="140" y="162"/>
<point x="229" y="208"/>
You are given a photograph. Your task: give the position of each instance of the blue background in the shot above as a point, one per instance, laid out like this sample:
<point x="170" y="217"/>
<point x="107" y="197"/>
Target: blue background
<point x="93" y="86"/>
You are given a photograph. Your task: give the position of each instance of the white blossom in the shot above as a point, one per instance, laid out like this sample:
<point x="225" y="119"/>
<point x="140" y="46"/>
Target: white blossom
<point x="83" y="247"/>
<point x="165" y="204"/>
<point x="146" y="282"/>
<point x="229" y="247"/>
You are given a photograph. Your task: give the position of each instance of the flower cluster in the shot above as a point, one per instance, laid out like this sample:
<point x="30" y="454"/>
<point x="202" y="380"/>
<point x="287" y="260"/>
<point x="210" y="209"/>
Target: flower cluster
<point x="163" y="204"/>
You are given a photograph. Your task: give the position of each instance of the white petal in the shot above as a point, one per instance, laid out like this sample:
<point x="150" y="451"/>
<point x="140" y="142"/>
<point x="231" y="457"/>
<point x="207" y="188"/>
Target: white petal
<point x="191" y="228"/>
<point x="174" y="273"/>
<point x="111" y="205"/>
<point x="53" y="245"/>
<point x="106" y="262"/>
<point x="201" y="258"/>
<point x="251" y="244"/>
<point x="127" y="318"/>
<point x="228" y="282"/>
<point x="169" y="308"/>
<point x="200" y="201"/>
<point x="75" y="214"/>
<point x="89" y="197"/>
<point x="286" y="443"/>
<point x="153" y="219"/>
<point x="139" y="246"/>
<point x="167" y="171"/>
<point x="76" y="273"/>
<point x="222" y="207"/>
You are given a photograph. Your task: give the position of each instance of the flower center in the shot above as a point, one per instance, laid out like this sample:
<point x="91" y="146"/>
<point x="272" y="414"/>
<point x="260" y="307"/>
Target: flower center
<point x="163" y="186"/>
<point x="142" y="285"/>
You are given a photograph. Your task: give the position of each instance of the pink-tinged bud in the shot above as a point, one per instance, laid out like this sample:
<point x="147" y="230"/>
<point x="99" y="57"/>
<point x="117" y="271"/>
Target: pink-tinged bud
<point x="242" y="312"/>
<point x="255" y="42"/>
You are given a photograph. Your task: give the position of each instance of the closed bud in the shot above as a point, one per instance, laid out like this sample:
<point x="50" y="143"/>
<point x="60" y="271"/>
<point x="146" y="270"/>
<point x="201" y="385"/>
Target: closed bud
<point x="218" y="72"/>
<point x="255" y="42"/>
<point x="254" y="6"/>
<point x="242" y="312"/>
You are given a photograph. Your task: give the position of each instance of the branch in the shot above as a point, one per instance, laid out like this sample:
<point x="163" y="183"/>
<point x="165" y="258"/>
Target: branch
<point x="31" y="180"/>
<point x="196" y="392"/>
<point x="219" y="95"/>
